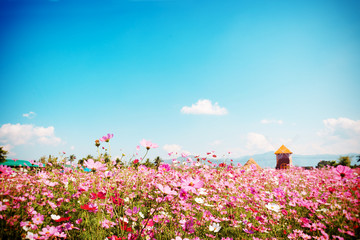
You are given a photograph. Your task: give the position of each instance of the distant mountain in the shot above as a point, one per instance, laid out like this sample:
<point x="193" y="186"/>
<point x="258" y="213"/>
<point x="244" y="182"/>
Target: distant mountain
<point x="268" y="159"/>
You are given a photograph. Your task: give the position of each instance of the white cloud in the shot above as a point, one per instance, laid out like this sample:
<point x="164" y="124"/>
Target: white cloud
<point x="341" y="127"/>
<point x="340" y="136"/>
<point x="172" y="148"/>
<point x="29" y="115"/>
<point x="20" y="134"/>
<point x="266" y="121"/>
<point x="258" y="143"/>
<point x="204" y="106"/>
<point x="72" y="148"/>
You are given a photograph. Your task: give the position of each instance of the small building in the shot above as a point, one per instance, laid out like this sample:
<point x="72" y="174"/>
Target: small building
<point x="283" y="158"/>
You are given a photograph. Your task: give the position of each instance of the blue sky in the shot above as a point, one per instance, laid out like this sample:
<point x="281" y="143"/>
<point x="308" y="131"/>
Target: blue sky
<point x="191" y="76"/>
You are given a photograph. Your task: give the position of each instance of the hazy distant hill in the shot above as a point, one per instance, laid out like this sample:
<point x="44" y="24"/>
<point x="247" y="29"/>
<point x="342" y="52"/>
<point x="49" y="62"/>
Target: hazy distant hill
<point x="268" y="159"/>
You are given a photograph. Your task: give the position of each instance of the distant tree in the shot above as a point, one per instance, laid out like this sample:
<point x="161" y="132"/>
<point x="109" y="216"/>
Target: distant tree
<point x="345" y="161"/>
<point x="324" y="163"/>
<point x="158" y="161"/>
<point x="42" y="160"/>
<point x="72" y="158"/>
<point x="148" y="163"/>
<point x="3" y="154"/>
<point x="358" y="158"/>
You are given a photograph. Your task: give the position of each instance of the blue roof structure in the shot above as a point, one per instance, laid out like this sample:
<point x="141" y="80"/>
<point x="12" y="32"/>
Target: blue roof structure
<point x="18" y="163"/>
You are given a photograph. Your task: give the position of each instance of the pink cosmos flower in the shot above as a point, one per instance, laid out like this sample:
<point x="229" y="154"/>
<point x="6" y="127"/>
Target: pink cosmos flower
<point x="2" y="207"/>
<point x="32" y="162"/>
<point x="95" y="165"/>
<point x="38" y="219"/>
<point x="49" y="231"/>
<point x="179" y="238"/>
<point x="166" y="189"/>
<point x="142" y="168"/>
<point x="148" y="144"/>
<point x="343" y="172"/>
<point x="130" y="212"/>
<point x="31" y="236"/>
<point x="107" y="224"/>
<point x="109" y="174"/>
<point x="107" y="137"/>
<point x="184" y="155"/>
<point x="5" y="170"/>
<point x="188" y="225"/>
<point x="191" y="184"/>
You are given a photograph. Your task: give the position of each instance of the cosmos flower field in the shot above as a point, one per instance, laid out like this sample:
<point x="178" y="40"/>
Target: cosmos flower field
<point x="179" y="201"/>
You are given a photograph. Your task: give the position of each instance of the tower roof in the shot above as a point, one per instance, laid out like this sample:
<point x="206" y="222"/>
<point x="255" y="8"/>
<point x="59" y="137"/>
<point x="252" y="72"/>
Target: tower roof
<point x="283" y="149"/>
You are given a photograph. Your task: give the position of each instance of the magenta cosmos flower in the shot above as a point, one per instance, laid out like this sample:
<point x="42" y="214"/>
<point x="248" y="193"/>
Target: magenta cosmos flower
<point x="5" y="170"/>
<point x="343" y="171"/>
<point x="107" y="137"/>
<point x="38" y="219"/>
<point x="94" y="165"/>
<point x="148" y="144"/>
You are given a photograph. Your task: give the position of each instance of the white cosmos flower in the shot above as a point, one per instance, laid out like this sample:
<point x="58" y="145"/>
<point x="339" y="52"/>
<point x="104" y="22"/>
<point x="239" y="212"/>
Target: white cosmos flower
<point x="214" y="227"/>
<point x="202" y="191"/>
<point x="199" y="200"/>
<point x="208" y="205"/>
<point x="164" y="213"/>
<point x="30" y="236"/>
<point x="141" y="215"/>
<point x="272" y="206"/>
<point x="55" y="217"/>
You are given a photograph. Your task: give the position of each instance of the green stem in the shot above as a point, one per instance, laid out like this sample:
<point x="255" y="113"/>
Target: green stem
<point x="147" y="150"/>
<point x="109" y="151"/>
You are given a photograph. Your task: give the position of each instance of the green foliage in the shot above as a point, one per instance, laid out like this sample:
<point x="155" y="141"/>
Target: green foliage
<point x="149" y="164"/>
<point x="158" y="161"/>
<point x="106" y="157"/>
<point x="52" y="162"/>
<point x="345" y="161"/>
<point x="324" y="163"/>
<point x="119" y="162"/>
<point x="3" y="154"/>
<point x="72" y="158"/>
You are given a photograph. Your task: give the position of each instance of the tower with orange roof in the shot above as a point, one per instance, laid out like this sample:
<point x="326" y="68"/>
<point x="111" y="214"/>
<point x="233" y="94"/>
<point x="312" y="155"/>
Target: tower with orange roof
<point x="283" y="158"/>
